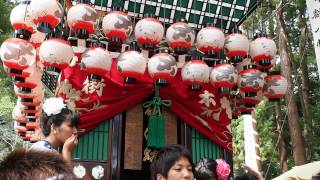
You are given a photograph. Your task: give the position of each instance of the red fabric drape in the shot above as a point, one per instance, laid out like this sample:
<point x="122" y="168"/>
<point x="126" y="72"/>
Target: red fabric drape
<point x="201" y="110"/>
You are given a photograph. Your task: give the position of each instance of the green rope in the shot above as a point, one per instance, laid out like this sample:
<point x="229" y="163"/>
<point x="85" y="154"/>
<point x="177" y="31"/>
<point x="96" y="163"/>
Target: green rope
<point x="156" y="119"/>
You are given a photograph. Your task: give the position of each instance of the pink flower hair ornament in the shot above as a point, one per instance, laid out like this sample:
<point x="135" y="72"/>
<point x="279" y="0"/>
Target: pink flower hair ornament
<point x="223" y="169"/>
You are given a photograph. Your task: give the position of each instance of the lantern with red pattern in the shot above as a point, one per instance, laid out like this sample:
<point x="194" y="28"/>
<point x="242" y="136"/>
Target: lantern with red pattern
<point x="46" y="14"/>
<point x="210" y="40"/>
<point x="117" y="27"/>
<point x="97" y="62"/>
<point x="17" y="55"/>
<point x="251" y="79"/>
<point x="21" y="21"/>
<point x="20" y="120"/>
<point x="275" y="86"/>
<point x="251" y="99"/>
<point x="262" y="51"/>
<point x="149" y="32"/>
<point x="131" y="64"/>
<point x="162" y="67"/>
<point x="196" y="72"/>
<point x="180" y="37"/>
<point x="224" y="77"/>
<point x="55" y="54"/>
<point x="236" y="47"/>
<point x="81" y="19"/>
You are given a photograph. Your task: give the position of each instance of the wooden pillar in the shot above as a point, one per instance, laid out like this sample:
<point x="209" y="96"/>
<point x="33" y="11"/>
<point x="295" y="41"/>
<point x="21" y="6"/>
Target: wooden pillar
<point x="133" y="138"/>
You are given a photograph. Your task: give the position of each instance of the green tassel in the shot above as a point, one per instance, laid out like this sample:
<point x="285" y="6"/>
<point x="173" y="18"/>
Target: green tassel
<point x="156" y="120"/>
<point x="156" y="131"/>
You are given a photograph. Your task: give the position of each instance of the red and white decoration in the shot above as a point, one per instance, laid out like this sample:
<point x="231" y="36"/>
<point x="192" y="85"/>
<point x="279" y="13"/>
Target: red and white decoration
<point x="117" y="24"/>
<point x="20" y="18"/>
<point x="180" y="37"/>
<point x="262" y="51"/>
<point x="162" y="66"/>
<point x="82" y="17"/>
<point x="210" y="39"/>
<point x="131" y="64"/>
<point x="17" y="54"/>
<point x="56" y="53"/>
<point x="275" y="86"/>
<point x="149" y="32"/>
<point x="48" y="12"/>
<point x="236" y="46"/>
<point x="224" y="76"/>
<point x="195" y="72"/>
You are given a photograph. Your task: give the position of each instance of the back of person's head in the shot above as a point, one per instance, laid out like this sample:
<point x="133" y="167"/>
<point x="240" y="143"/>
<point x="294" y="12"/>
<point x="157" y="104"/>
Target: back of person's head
<point x="55" y="112"/>
<point x="167" y="157"/>
<point x="22" y="164"/>
<point x="206" y="169"/>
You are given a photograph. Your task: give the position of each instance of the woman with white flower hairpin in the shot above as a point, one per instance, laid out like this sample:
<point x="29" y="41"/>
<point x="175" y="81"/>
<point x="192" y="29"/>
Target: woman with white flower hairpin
<point x="59" y="126"/>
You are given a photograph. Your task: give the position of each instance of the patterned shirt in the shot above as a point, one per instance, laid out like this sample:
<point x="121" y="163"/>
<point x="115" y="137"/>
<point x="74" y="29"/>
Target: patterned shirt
<point x="43" y="146"/>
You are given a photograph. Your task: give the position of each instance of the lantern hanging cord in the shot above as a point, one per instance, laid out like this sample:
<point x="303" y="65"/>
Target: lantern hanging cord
<point x="156" y="102"/>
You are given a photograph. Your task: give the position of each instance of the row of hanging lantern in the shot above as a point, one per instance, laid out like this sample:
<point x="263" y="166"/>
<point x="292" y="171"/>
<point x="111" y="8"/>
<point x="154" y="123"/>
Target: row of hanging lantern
<point x="25" y="55"/>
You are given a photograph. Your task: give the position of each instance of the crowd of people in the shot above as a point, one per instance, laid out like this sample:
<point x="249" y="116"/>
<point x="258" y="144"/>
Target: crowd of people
<point x="51" y="157"/>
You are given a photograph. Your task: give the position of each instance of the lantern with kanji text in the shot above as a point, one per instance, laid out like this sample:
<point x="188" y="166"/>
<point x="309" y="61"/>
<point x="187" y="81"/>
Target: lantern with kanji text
<point x="236" y="47"/>
<point x="224" y="77"/>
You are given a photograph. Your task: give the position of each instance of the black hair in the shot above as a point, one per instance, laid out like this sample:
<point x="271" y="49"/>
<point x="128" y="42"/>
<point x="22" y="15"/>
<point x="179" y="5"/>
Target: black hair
<point x="316" y="177"/>
<point x="23" y="164"/>
<point x="206" y="169"/>
<point x="246" y="176"/>
<point x="166" y="158"/>
<point x="58" y="119"/>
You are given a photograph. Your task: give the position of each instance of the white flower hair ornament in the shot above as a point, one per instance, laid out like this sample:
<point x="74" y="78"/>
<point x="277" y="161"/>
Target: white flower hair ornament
<point x="53" y="106"/>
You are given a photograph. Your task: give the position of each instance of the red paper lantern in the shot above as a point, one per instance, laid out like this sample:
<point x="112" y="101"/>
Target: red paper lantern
<point x="55" y="54"/>
<point x="210" y="40"/>
<point x="81" y="19"/>
<point x="275" y="86"/>
<point x="149" y="32"/>
<point x="195" y="73"/>
<point x="97" y="62"/>
<point x="17" y="55"/>
<point x="21" y="21"/>
<point x="117" y="25"/>
<point x="262" y="51"/>
<point x="131" y="64"/>
<point x="236" y="47"/>
<point x="46" y="14"/>
<point x="162" y="67"/>
<point x="180" y="37"/>
<point x="224" y="77"/>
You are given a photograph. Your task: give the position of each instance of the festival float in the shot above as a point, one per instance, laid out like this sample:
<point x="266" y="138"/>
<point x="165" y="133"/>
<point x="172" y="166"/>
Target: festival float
<point x="141" y="75"/>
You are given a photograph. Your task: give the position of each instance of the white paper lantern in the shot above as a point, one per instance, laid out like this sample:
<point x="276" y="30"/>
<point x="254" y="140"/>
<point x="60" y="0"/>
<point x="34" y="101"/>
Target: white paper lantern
<point x="236" y="46"/>
<point x="17" y="54"/>
<point x="96" y="61"/>
<point x="262" y="51"/>
<point x="210" y="40"/>
<point x="46" y="14"/>
<point x="149" y="32"/>
<point x="21" y="21"/>
<point x="117" y="25"/>
<point x="55" y="53"/>
<point x="180" y="37"/>
<point x="81" y="19"/>
<point x="224" y="76"/>
<point x="195" y="71"/>
<point x="251" y="80"/>
<point x="275" y="86"/>
<point x="131" y="64"/>
<point x="162" y="66"/>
